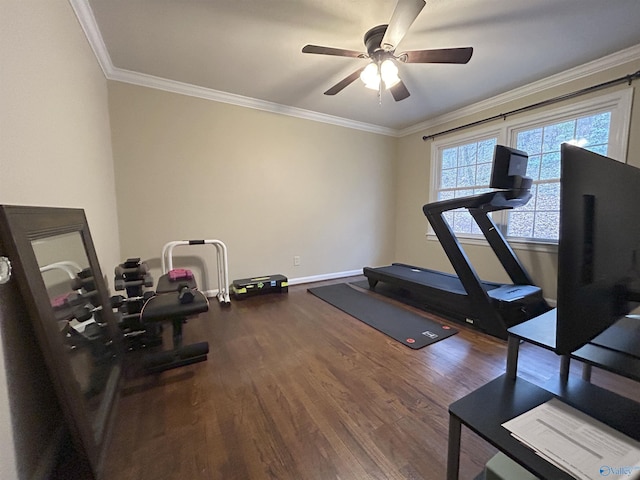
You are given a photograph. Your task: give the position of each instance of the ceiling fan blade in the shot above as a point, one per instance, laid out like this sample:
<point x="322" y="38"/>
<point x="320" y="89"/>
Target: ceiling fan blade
<point x="442" y="55"/>
<point x="338" y="52"/>
<point x="403" y="16"/>
<point x="344" y="82"/>
<point x="399" y="91"/>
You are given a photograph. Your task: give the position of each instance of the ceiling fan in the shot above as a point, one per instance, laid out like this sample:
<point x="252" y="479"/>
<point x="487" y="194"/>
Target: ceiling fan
<point x="381" y="43"/>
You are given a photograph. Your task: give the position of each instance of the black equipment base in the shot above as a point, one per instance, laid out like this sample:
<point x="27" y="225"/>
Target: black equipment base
<point x="444" y="294"/>
<point x="178" y="357"/>
<point x="408" y="328"/>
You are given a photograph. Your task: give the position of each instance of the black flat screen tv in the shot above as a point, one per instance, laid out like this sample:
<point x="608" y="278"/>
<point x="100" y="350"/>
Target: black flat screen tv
<point x="599" y="246"/>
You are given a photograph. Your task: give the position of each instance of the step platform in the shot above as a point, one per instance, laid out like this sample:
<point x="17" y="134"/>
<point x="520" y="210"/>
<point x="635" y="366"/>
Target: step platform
<point x="249" y="287"/>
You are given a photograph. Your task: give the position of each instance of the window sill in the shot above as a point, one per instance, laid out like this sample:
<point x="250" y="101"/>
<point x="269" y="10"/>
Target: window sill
<point x="516" y="244"/>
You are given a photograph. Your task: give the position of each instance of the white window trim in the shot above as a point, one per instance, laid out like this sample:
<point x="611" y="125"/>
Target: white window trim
<point x="619" y="102"/>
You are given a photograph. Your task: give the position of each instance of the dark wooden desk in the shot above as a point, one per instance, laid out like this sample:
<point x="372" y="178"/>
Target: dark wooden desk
<point x="485" y="410"/>
<point x="541" y="331"/>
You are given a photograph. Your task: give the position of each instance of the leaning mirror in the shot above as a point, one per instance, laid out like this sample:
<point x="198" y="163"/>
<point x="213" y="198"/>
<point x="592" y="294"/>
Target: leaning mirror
<point x="55" y="263"/>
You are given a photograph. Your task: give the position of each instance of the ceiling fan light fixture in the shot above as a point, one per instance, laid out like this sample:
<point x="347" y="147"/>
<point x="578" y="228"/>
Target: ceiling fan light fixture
<point x="370" y="76"/>
<point x="389" y="73"/>
<point x="381" y="42"/>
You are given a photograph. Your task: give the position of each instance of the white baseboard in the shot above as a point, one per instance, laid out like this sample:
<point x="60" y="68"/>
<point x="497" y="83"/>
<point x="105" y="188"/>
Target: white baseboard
<point x="326" y="276"/>
<point x="301" y="280"/>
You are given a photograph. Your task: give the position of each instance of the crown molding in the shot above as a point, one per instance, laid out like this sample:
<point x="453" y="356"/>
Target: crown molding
<point x="87" y="21"/>
<point x="89" y="25"/>
<point x="144" y="80"/>
<point x="596" y="66"/>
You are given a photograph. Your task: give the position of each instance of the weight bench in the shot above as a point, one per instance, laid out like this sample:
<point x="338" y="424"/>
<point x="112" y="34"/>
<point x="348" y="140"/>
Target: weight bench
<point x="177" y="301"/>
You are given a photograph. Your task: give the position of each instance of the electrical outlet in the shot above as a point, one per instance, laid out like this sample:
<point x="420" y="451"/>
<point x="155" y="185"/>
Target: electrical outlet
<point x="296" y="261"/>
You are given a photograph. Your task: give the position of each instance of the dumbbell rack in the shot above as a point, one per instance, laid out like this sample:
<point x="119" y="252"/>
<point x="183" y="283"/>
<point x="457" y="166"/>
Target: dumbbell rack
<point x="133" y="276"/>
<point x="222" y="264"/>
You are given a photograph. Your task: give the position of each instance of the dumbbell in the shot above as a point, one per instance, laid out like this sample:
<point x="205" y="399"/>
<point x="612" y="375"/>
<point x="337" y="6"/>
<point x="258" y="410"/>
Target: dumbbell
<point x="131" y="268"/>
<point x="132" y="274"/>
<point x="82" y="314"/>
<point x="84" y="283"/>
<point x="76" y="298"/>
<point x="121" y="283"/>
<point x="185" y="294"/>
<point x="118" y="300"/>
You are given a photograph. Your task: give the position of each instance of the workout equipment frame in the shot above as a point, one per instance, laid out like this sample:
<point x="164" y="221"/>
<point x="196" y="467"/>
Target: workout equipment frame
<point x="489" y="306"/>
<point x="222" y="270"/>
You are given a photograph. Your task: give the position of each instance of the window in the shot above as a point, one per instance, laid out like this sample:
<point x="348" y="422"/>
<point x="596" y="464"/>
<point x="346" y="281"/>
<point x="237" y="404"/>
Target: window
<point x="540" y="218"/>
<point x="465" y="170"/>
<point x="463" y="166"/>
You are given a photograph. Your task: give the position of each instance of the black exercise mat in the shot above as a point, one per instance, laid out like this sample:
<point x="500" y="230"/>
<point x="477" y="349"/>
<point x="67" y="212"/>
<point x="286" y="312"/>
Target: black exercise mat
<point x="409" y="328"/>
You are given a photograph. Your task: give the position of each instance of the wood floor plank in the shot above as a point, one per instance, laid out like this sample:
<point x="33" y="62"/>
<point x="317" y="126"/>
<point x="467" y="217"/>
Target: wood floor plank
<point x="295" y="389"/>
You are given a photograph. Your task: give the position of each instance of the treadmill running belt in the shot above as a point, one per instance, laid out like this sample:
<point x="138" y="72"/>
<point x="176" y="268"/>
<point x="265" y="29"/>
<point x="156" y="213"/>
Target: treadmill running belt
<point x="411" y="329"/>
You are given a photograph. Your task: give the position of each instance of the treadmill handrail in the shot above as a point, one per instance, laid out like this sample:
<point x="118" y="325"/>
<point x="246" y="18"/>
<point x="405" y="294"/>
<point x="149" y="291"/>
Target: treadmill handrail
<point x="488" y="202"/>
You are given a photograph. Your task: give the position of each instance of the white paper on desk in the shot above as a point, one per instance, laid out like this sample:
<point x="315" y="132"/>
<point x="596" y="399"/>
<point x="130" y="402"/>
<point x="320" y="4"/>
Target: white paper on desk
<point x="577" y="443"/>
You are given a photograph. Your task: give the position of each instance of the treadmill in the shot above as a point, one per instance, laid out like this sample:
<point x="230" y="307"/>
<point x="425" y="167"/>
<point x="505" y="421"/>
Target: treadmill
<point x="489" y="306"/>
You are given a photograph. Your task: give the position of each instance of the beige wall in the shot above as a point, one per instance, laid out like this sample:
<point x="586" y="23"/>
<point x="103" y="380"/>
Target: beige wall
<point x="55" y="150"/>
<point x="414" y="169"/>
<point x="269" y="186"/>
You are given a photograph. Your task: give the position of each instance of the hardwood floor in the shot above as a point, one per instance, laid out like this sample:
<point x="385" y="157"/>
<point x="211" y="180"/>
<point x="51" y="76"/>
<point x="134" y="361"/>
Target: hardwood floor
<point x="296" y="389"/>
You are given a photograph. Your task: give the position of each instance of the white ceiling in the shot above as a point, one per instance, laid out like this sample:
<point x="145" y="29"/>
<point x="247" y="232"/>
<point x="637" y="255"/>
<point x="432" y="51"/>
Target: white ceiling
<point x="250" y="50"/>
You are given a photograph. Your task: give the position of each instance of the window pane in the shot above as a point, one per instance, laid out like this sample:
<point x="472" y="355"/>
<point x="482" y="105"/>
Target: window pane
<point x="466" y="176"/>
<point x="446" y="195"/>
<point x="467" y="155"/>
<point x="448" y="216"/>
<point x="462" y="221"/>
<point x="485" y="151"/>
<point x="520" y="224"/>
<point x="483" y="176"/>
<point x="533" y="166"/>
<point x="530" y="141"/>
<point x="555" y="135"/>
<point x="449" y="158"/>
<point x="448" y="178"/>
<point x="548" y="197"/>
<point x="546" y="225"/>
<point x="594" y="129"/>
<point x="550" y="166"/>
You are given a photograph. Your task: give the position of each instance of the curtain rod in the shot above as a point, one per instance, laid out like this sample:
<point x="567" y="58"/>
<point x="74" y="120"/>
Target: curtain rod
<point x="544" y="103"/>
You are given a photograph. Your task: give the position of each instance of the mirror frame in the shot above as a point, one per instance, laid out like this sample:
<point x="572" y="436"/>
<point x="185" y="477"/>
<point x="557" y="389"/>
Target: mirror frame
<point x="19" y="226"/>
